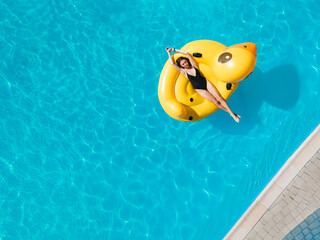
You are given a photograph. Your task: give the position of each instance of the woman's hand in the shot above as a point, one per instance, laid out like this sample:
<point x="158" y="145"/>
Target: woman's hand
<point x="169" y="50"/>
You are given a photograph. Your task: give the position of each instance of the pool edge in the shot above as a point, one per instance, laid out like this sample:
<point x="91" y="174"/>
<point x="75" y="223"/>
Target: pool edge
<point x="276" y="186"/>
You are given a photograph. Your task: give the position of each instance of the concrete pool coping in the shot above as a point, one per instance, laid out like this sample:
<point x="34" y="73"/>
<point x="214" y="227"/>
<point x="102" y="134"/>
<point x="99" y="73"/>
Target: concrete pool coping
<point x="276" y="186"/>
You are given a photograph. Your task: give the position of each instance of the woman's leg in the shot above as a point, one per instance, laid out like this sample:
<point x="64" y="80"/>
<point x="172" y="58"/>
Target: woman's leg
<point x="214" y="96"/>
<point x="212" y="89"/>
<point x="207" y="95"/>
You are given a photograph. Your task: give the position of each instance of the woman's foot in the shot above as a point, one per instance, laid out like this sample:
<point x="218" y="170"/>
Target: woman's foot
<point x="236" y="117"/>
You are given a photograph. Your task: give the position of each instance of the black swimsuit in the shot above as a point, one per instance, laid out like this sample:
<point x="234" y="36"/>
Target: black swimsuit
<point x="198" y="81"/>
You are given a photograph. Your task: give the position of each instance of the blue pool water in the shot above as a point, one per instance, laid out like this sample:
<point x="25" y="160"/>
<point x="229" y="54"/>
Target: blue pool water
<point x="86" y="151"/>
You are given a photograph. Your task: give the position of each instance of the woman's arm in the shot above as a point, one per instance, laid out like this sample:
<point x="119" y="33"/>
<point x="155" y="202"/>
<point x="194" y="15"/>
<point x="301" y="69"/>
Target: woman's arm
<point x="169" y="50"/>
<point x="193" y="63"/>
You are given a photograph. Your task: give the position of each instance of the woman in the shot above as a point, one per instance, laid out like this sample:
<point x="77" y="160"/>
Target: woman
<point x="188" y="67"/>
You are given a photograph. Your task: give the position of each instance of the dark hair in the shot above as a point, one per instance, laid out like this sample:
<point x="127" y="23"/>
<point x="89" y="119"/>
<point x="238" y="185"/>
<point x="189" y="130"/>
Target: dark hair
<point x="180" y="59"/>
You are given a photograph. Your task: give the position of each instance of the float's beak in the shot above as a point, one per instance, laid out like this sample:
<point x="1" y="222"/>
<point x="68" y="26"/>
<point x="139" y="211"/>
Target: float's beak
<point x="251" y="47"/>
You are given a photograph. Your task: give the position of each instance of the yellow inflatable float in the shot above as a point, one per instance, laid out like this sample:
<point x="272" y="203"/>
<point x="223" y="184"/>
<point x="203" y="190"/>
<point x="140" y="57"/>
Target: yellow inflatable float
<point x="219" y="64"/>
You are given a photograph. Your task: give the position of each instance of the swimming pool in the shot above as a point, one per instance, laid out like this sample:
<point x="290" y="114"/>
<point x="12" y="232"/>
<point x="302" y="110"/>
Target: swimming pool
<point x="86" y="151"/>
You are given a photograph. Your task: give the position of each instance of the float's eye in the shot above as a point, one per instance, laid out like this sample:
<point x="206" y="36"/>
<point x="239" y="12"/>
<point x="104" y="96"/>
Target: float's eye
<point x="225" y="57"/>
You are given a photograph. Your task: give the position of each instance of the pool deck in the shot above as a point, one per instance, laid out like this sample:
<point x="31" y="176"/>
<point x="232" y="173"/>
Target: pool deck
<point x="290" y="197"/>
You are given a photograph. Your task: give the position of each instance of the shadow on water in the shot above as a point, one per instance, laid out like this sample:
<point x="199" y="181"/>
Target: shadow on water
<point x="278" y="87"/>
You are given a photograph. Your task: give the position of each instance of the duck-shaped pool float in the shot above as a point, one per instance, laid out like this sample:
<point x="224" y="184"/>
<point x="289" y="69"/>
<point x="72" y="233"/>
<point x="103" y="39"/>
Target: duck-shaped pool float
<point x="223" y="66"/>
